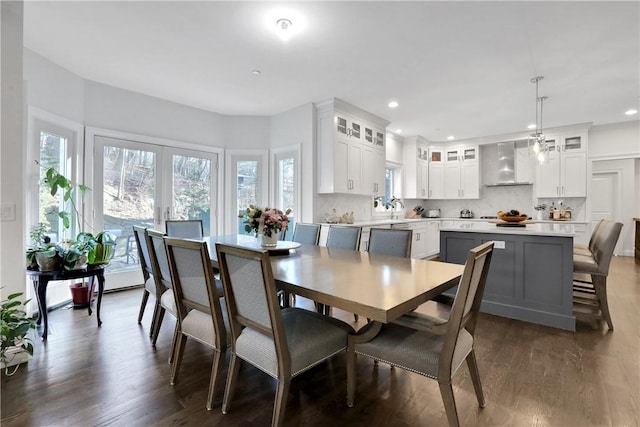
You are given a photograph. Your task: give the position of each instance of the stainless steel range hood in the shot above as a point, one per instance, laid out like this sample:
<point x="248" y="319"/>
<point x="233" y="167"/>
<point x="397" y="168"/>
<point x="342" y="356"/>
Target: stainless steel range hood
<point x="503" y="170"/>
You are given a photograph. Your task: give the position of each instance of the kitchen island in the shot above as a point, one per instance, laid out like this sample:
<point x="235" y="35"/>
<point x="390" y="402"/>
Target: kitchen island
<point x="531" y="272"/>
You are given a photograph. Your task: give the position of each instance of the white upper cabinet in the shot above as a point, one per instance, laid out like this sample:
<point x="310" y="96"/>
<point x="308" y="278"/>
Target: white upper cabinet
<point x="436" y="173"/>
<point x="462" y="172"/>
<point x="415" y="168"/>
<point x="564" y="172"/>
<point x="347" y="138"/>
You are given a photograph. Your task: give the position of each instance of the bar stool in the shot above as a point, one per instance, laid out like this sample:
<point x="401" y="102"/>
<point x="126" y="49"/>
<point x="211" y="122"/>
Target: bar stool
<point x="590" y="298"/>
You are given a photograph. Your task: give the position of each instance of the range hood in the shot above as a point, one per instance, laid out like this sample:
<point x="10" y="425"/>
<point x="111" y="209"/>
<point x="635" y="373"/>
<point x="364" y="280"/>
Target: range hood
<point x="503" y="169"/>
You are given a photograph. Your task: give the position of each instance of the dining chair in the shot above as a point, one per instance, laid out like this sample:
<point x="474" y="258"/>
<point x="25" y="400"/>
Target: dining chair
<point x="162" y="276"/>
<point x="590" y="297"/>
<point x="344" y="237"/>
<point x="201" y="312"/>
<point x="185" y="229"/>
<point x="392" y="242"/>
<point x="147" y="272"/>
<point x="306" y="234"/>
<point x="340" y="237"/>
<point x="282" y="343"/>
<point x="434" y="353"/>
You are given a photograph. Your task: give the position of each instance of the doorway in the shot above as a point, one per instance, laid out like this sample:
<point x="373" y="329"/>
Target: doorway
<point x="606" y="199"/>
<point x="144" y="184"/>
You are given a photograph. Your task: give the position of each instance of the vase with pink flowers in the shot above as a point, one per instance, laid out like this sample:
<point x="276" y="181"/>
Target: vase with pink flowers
<point x="266" y="222"/>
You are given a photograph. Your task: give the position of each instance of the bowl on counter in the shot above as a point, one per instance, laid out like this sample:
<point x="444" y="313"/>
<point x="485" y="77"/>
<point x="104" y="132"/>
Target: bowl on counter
<point x="518" y="218"/>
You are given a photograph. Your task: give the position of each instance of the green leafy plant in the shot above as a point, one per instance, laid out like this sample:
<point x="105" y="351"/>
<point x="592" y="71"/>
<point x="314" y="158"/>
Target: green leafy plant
<point x="391" y="203"/>
<point x="14" y="327"/>
<point x="58" y="182"/>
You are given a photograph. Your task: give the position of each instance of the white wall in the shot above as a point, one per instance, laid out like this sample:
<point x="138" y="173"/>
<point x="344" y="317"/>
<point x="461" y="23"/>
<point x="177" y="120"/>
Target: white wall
<point x="53" y="88"/>
<point x="297" y="127"/>
<point x="108" y="107"/>
<point x="12" y="153"/>
<point x="246" y="132"/>
<point x="393" y="149"/>
<point x="617" y="140"/>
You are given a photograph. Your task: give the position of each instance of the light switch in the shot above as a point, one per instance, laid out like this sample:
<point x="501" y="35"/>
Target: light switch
<point x="8" y="212"/>
<point x="498" y="244"/>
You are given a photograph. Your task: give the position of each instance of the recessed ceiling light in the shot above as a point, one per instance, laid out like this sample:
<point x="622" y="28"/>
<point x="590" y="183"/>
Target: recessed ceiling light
<point x="398" y="130"/>
<point x="531" y="126"/>
<point x="631" y="112"/>
<point x="256" y="72"/>
<point x="451" y="137"/>
<point x="393" y="104"/>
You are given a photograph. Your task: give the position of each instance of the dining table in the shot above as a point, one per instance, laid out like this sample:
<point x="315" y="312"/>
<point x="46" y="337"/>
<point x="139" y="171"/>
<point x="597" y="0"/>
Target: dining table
<point x="378" y="287"/>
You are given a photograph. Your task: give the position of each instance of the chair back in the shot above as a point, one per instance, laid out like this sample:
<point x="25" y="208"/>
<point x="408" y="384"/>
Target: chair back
<point x="387" y="241"/>
<point x="185" y="229"/>
<point x="143" y="251"/>
<point x="594" y="234"/>
<point x="194" y="282"/>
<point x="251" y="294"/>
<point x="604" y="245"/>
<point x="342" y="237"/>
<point x="307" y="234"/>
<point x="466" y="305"/>
<point x="159" y="260"/>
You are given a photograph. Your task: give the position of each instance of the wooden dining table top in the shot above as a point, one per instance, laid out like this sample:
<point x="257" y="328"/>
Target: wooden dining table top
<point x="379" y="287"/>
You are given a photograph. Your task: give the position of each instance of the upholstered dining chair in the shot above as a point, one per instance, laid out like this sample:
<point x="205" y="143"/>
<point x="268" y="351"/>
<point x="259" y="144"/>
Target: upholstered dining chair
<point x="201" y="311"/>
<point x="185" y="229"/>
<point x="590" y="297"/>
<point x="162" y="276"/>
<point x="344" y="237"/>
<point x="306" y="234"/>
<point x="281" y="343"/>
<point x="390" y="242"/>
<point x="436" y="354"/>
<point x="147" y="273"/>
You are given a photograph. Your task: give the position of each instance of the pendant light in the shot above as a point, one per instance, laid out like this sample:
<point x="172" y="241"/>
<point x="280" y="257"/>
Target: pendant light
<point x="537" y="142"/>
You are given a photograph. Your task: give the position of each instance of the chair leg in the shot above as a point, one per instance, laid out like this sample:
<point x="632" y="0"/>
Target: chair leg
<point x="600" y="285"/>
<point x="143" y="304"/>
<point x="356" y="317"/>
<point x="216" y="371"/>
<point x="475" y="377"/>
<point x="156" y="330"/>
<point x="232" y="376"/>
<point x="154" y="319"/>
<point x="174" y="342"/>
<point x="281" y="402"/>
<point x="351" y="377"/>
<point x="446" y="389"/>
<point x="178" y="358"/>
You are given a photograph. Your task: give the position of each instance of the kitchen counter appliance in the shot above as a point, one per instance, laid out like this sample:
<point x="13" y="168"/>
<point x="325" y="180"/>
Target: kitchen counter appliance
<point x="433" y="213"/>
<point x="466" y="213"/>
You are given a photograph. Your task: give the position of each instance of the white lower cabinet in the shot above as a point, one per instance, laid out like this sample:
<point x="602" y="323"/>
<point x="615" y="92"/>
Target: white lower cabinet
<point x="433" y="238"/>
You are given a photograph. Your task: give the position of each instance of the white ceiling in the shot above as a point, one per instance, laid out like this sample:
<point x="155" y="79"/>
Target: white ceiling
<point x="456" y="68"/>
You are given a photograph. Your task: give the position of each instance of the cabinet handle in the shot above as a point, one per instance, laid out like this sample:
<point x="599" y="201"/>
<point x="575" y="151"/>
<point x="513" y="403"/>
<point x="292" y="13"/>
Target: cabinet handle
<point x="429" y="192"/>
<point x="557" y="190"/>
<point x="562" y="190"/>
<point x="418" y="237"/>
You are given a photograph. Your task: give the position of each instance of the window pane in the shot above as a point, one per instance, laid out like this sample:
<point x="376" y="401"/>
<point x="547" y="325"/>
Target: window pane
<point x="286" y="197"/>
<point x="128" y="197"/>
<point x="192" y="189"/>
<point x="247" y="189"/>
<point x="53" y="149"/>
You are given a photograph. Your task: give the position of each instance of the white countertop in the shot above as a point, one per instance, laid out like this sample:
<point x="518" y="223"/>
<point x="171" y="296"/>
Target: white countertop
<point x="550" y="228"/>
<point x="389" y="221"/>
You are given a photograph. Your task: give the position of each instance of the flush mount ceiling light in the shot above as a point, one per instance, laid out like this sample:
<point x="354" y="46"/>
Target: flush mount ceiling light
<point x="537" y="142"/>
<point x="398" y="130"/>
<point x="631" y="112"/>
<point x="393" y="104"/>
<point x="284" y="28"/>
<point x="256" y="72"/>
<point x="451" y="137"/>
<point x="531" y="126"/>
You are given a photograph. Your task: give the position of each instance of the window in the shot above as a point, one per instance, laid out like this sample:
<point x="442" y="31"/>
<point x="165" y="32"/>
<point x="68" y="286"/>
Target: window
<point x="247" y="168"/>
<point x="390" y="201"/>
<point x="53" y="153"/>
<point x="286" y="183"/>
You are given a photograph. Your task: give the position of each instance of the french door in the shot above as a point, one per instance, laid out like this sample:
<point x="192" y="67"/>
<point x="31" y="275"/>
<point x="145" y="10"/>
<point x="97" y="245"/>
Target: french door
<point x="137" y="183"/>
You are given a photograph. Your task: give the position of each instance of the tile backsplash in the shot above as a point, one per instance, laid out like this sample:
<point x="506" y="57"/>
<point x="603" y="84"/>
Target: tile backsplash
<point x="492" y="199"/>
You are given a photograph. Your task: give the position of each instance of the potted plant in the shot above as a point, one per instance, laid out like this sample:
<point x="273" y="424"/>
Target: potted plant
<point x="15" y="346"/>
<point x="42" y="254"/>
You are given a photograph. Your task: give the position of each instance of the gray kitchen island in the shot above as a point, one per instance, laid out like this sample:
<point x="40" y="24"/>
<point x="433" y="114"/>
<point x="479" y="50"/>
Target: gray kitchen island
<point x="531" y="272"/>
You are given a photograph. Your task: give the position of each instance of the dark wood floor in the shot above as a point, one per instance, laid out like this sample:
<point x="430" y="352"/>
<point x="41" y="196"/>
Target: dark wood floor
<point x="532" y="376"/>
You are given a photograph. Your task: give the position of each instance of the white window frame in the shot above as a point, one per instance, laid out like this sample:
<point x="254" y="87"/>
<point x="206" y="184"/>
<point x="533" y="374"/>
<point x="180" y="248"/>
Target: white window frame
<point x="291" y="151"/>
<point x="232" y="157"/>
